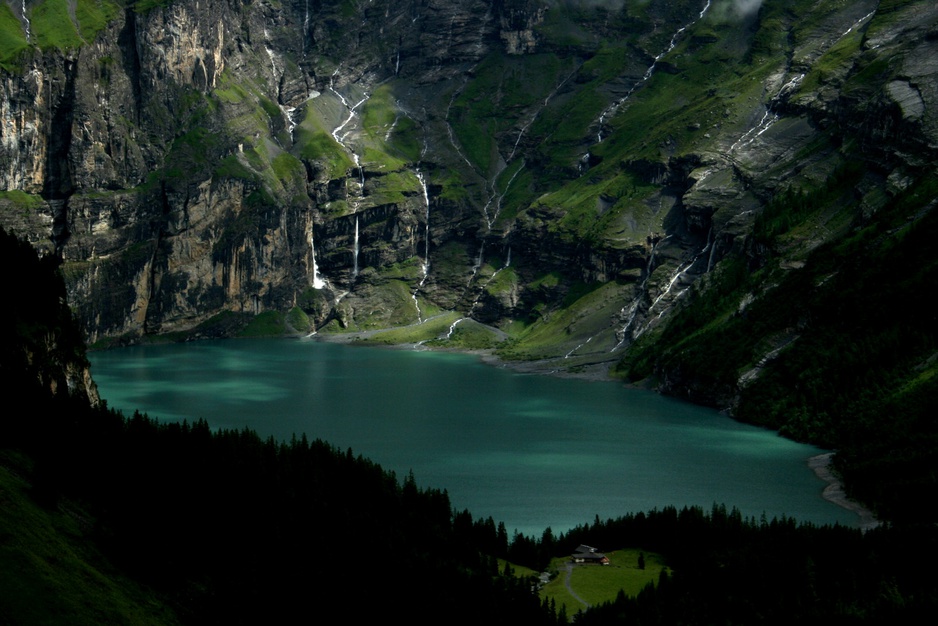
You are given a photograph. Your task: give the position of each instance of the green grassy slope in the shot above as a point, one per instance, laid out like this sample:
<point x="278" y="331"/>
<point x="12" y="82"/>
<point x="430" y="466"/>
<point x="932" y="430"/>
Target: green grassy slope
<point x="50" y="573"/>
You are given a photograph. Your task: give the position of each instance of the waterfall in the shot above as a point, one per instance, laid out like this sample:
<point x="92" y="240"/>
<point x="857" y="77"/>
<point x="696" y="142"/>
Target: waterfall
<point x="452" y="327"/>
<point x="632" y="313"/>
<point x="856" y="24"/>
<point x="289" y="113"/>
<point x="611" y="109"/>
<point x="569" y="354"/>
<point x="477" y="265"/>
<point x="425" y="266"/>
<point x="713" y="247"/>
<point x="681" y="270"/>
<point x="387" y="135"/>
<point x="316" y="282"/>
<point x="501" y="197"/>
<point x="355" y="251"/>
<point x="413" y="296"/>
<point x="426" y="231"/>
<point x="361" y="173"/>
<point x="271" y="55"/>
<point x="27" y="22"/>
<point x="449" y="127"/>
<point x="770" y="116"/>
<point x="305" y="27"/>
<point x="537" y="112"/>
<point x="340" y="137"/>
<point x="632" y="309"/>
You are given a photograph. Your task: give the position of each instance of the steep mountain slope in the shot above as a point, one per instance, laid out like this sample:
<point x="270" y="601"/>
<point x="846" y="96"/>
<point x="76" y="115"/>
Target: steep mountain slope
<point x="730" y="197"/>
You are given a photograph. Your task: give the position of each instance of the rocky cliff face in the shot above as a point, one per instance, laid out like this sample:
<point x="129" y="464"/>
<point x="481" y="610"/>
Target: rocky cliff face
<point x="567" y="168"/>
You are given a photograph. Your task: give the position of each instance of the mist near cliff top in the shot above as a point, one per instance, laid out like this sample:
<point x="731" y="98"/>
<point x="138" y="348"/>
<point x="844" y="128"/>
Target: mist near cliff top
<point x="725" y="8"/>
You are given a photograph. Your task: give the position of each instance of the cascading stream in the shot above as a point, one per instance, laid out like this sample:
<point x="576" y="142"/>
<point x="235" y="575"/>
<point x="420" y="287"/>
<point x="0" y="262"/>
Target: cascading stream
<point x="316" y="282"/>
<point x="770" y="116"/>
<point x="305" y="27"/>
<point x="482" y="287"/>
<point x="452" y="327"/>
<point x="675" y="278"/>
<point x="340" y="137"/>
<point x="426" y="229"/>
<point x="857" y="24"/>
<point x="632" y="309"/>
<point x="614" y="107"/>
<point x="27" y="23"/>
<point x="537" y="113"/>
<point x="355" y="250"/>
<point x="425" y="266"/>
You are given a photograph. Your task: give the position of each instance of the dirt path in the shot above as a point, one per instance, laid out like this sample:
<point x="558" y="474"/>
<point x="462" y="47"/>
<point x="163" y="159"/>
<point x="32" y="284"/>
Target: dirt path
<point x="566" y="583"/>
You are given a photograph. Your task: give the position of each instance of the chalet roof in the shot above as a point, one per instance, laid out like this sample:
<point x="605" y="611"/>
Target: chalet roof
<point x="588" y="553"/>
<point x="584" y="548"/>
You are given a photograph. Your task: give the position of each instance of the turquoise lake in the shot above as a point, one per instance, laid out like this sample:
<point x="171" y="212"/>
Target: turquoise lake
<point x="529" y="450"/>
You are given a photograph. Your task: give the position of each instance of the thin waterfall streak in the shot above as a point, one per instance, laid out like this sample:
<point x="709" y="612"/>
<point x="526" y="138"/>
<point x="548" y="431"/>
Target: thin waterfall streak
<point x="449" y="127"/>
<point x="426" y="232"/>
<point x="537" y="113"/>
<point x="677" y="276"/>
<point x="355" y="250"/>
<point x="28" y="24"/>
<point x="713" y="248"/>
<point x="632" y="309"/>
<point x="501" y="197"/>
<point x="770" y="117"/>
<point x="387" y="135"/>
<point x="305" y="28"/>
<point x="452" y="327"/>
<point x="856" y="24"/>
<point x="316" y="282"/>
<point x="477" y="266"/>
<point x="614" y="107"/>
<point x="340" y="137"/>
<point x="413" y="295"/>
<point x="569" y="354"/>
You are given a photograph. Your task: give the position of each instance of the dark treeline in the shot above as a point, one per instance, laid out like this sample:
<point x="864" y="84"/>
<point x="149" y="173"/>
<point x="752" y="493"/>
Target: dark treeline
<point x="724" y="569"/>
<point x="232" y="528"/>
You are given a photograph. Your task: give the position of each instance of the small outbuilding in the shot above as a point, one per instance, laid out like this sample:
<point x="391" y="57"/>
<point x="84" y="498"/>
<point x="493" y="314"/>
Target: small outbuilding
<point x="588" y="554"/>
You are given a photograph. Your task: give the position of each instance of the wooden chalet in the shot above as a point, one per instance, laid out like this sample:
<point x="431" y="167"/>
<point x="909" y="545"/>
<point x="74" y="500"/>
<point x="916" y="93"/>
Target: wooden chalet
<point x="588" y="554"/>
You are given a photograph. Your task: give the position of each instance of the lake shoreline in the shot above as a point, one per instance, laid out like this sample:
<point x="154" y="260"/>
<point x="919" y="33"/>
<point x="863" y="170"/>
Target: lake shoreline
<point x="597" y="371"/>
<point x="834" y="492"/>
<point x="821" y="465"/>
<point x="301" y="388"/>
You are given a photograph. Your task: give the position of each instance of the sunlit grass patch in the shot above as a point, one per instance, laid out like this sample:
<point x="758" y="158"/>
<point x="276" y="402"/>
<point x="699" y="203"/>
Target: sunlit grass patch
<point x="588" y="312"/>
<point x="267" y="324"/>
<point x="467" y="335"/>
<point x="12" y="37"/>
<point x="596" y="584"/>
<point x="427" y="330"/>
